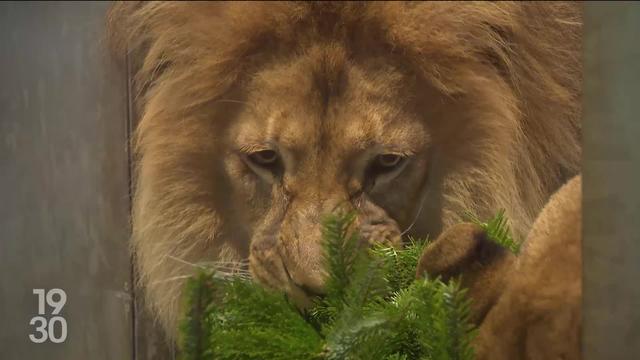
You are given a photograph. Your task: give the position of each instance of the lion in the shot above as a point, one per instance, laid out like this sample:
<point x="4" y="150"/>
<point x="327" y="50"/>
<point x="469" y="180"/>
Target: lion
<point x="256" y="119"/>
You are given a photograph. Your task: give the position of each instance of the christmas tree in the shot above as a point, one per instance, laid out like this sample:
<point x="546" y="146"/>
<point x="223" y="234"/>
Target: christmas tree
<point x="374" y="308"/>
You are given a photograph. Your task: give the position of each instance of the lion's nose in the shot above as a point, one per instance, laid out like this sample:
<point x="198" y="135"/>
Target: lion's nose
<point x="309" y="276"/>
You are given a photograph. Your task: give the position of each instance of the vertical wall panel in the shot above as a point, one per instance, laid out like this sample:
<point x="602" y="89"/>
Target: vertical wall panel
<point x="611" y="181"/>
<point x="63" y="181"/>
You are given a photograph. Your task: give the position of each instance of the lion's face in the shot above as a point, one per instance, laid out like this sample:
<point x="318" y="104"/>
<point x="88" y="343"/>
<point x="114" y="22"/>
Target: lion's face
<point x="257" y="118"/>
<point x="315" y="134"/>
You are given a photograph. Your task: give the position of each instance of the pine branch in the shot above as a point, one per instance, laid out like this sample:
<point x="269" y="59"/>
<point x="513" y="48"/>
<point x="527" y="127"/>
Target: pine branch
<point x="456" y="332"/>
<point x="400" y="264"/>
<point x="195" y="329"/>
<point x="440" y="315"/>
<point x="497" y="230"/>
<point x="374" y="309"/>
<point x="254" y="323"/>
<point x="340" y="255"/>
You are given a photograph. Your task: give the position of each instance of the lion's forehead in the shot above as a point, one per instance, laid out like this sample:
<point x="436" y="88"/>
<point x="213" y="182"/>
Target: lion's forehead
<point x="322" y="102"/>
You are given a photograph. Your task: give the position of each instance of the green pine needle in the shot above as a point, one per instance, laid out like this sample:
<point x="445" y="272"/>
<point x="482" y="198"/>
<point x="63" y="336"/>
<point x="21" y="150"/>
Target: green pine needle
<point x="400" y="265"/>
<point x="374" y="308"/>
<point x="340" y="254"/>
<point x="195" y="329"/>
<point x="498" y="231"/>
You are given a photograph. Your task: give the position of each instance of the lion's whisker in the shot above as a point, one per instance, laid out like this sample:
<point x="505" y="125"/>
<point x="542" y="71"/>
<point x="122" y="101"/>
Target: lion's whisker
<point x="417" y="215"/>
<point x="174" y="278"/>
<point x="224" y="269"/>
<point x="217" y="274"/>
<point x="239" y="262"/>
<point x="185" y="262"/>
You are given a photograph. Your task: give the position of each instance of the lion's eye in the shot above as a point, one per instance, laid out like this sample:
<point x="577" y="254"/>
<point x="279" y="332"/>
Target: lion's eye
<point x="385" y="165"/>
<point x="388" y="161"/>
<point x="264" y="158"/>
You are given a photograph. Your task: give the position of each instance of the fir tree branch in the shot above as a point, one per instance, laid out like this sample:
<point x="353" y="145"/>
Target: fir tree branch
<point x="374" y="309"/>
<point x="497" y="230"/>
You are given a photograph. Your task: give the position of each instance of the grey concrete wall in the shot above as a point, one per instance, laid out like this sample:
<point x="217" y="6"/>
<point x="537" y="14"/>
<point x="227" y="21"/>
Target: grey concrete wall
<point x="611" y="244"/>
<point x="64" y="201"/>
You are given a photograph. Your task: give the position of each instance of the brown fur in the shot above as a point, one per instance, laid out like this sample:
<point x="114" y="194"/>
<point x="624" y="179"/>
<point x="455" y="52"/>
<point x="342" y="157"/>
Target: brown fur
<point x="483" y="98"/>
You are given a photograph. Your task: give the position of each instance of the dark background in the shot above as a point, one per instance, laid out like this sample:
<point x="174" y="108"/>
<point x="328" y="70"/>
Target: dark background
<point x="65" y="170"/>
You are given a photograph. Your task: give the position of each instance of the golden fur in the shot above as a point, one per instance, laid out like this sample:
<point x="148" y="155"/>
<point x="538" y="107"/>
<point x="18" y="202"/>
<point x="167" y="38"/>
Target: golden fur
<point x="481" y="98"/>
<point x="527" y="306"/>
